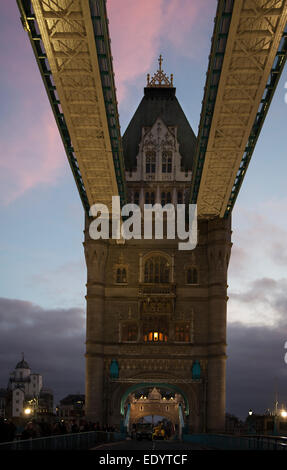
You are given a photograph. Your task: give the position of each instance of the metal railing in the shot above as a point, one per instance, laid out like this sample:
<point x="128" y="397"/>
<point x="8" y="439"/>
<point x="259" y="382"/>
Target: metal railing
<point x="225" y="442"/>
<point x="70" y="441"/>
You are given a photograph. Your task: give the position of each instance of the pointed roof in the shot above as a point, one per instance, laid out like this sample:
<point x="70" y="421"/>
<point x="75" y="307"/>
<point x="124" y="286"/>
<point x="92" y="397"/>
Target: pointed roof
<point x="159" y="102"/>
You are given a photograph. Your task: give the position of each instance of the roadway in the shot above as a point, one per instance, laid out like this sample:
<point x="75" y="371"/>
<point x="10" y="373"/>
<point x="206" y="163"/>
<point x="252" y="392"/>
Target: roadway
<point x="155" y="445"/>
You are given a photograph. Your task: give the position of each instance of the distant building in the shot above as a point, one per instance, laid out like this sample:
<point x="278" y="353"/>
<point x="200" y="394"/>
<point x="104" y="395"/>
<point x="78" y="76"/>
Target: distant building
<point x="71" y="407"/>
<point x="3" y="398"/>
<point x="25" y="393"/>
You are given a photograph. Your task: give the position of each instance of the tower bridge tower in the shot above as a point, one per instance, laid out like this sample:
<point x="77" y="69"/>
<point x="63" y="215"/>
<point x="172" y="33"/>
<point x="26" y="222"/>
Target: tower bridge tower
<point x="156" y="316"/>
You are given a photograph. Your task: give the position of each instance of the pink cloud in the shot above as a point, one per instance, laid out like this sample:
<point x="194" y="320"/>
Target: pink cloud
<point x="31" y="151"/>
<point x="138" y="29"/>
<point x="31" y="155"/>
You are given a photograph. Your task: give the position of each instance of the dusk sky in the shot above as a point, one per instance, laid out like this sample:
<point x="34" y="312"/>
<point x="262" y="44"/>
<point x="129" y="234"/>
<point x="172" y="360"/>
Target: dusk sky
<point x="42" y="266"/>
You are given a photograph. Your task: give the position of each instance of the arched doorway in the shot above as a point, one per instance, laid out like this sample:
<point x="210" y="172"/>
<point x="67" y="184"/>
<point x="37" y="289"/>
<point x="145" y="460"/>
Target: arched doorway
<point x="147" y="403"/>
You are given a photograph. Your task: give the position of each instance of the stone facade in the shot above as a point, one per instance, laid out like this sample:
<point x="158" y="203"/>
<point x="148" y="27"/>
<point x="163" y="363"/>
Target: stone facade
<point x="154" y="311"/>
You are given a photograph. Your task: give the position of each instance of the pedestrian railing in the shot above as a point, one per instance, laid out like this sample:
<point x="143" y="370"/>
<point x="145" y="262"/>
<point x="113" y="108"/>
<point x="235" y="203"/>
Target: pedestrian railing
<point x="227" y="442"/>
<point x="70" y="441"/>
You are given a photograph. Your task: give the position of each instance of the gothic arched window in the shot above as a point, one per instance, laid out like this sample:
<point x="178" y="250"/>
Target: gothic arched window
<point x="150" y="162"/>
<point x="192" y="276"/>
<point x="156" y="270"/>
<point x="155" y="330"/>
<point x="166" y="160"/>
<point x="182" y="332"/>
<point x="121" y="276"/>
<point x="129" y="331"/>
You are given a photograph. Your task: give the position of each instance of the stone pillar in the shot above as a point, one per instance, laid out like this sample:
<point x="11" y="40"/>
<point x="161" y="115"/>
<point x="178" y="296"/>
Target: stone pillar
<point x="96" y="252"/>
<point x="219" y="246"/>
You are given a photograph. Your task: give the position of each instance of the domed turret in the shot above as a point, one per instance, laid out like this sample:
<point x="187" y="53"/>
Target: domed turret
<point x="22" y="364"/>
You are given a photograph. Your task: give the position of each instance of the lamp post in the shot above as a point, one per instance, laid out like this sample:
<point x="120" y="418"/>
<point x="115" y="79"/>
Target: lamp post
<point x="250" y="428"/>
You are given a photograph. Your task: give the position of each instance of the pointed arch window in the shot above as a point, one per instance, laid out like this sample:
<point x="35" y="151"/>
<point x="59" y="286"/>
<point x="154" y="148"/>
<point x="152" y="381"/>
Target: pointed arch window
<point x="129" y="331"/>
<point x="192" y="275"/>
<point x="150" y="162"/>
<point x="182" y="332"/>
<point x="166" y="166"/>
<point x="157" y="270"/>
<point x="121" y="276"/>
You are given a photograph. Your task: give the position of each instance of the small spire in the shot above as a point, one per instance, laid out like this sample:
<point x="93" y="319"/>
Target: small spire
<point x="160" y="79"/>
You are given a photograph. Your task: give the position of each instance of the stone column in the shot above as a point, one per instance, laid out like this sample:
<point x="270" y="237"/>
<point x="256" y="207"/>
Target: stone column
<point x="96" y="252"/>
<point x="219" y="245"/>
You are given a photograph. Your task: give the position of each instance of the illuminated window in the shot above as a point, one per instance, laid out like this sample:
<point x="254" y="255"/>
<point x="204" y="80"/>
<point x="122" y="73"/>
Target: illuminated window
<point x="155" y="329"/>
<point x="121" y="276"/>
<point x="129" y="331"/>
<point x="150" y="161"/>
<point x="191" y="276"/>
<point x="156" y="270"/>
<point x="166" y="162"/>
<point x="182" y="332"/>
<point x="155" y="337"/>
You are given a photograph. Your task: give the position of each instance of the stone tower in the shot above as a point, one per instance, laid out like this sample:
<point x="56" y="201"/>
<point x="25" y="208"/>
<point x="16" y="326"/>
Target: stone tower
<point x="156" y="316"/>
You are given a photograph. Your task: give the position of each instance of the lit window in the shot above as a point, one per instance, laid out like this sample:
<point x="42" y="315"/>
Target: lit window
<point x="166" y="162"/>
<point x="182" y="332"/>
<point x="192" y="276"/>
<point x="155" y="337"/>
<point x="155" y="329"/>
<point x="129" y="331"/>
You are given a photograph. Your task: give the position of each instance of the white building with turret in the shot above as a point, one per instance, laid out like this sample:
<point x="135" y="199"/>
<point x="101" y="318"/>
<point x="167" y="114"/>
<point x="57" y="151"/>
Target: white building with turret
<point x="25" y="388"/>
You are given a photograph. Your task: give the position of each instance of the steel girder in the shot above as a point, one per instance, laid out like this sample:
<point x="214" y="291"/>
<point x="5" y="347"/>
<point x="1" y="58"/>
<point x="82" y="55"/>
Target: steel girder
<point x="70" y="39"/>
<point x="247" y="57"/>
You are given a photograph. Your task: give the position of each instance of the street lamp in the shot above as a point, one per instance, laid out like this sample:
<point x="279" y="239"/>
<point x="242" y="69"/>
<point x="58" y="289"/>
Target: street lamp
<point x="27" y="411"/>
<point x="283" y="414"/>
<point x="250" y="412"/>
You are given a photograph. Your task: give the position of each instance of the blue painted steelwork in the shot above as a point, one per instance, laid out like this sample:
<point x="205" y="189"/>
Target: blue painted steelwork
<point x="265" y="103"/>
<point x="219" y="41"/>
<point x="114" y="369"/>
<point x="30" y="25"/>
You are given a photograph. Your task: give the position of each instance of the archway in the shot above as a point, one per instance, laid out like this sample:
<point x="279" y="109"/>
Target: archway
<point x="165" y="401"/>
<point x="151" y="385"/>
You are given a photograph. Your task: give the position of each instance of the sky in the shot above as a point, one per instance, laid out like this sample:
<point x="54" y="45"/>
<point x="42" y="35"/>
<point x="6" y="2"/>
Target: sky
<point x="42" y="267"/>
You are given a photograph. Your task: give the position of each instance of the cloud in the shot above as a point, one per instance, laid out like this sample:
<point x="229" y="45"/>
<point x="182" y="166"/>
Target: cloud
<point x="52" y="340"/>
<point x="255" y="367"/>
<point x="31" y="151"/>
<point x="264" y="302"/>
<point x="53" y="343"/>
<point x="138" y="29"/>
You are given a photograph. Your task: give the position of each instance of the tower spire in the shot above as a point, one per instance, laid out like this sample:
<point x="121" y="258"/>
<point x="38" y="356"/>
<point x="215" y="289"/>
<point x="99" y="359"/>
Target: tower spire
<point x="160" y="79"/>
